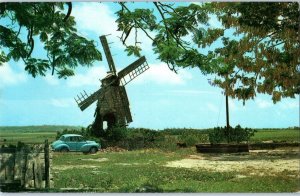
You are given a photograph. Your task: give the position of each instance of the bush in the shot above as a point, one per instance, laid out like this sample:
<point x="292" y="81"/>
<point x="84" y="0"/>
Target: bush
<point x="82" y="132"/>
<point x="190" y="138"/>
<point x="116" y="134"/>
<point x="139" y="138"/>
<point x="231" y="135"/>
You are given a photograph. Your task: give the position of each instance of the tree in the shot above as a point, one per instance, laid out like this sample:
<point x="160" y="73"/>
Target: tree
<point x="260" y="54"/>
<point x="22" y="23"/>
<point x="266" y="57"/>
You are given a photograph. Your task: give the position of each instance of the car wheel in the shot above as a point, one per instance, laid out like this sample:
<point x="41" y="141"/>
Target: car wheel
<point x="93" y="150"/>
<point x="64" y="149"/>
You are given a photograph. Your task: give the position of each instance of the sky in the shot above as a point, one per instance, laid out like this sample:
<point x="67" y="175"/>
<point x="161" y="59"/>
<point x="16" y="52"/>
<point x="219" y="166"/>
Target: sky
<point x="158" y="98"/>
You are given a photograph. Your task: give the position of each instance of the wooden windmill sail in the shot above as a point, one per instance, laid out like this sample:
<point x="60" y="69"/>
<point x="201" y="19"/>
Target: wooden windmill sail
<point x="113" y="104"/>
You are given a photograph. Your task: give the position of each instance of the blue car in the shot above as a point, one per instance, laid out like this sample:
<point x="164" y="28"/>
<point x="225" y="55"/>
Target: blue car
<point x="76" y="143"/>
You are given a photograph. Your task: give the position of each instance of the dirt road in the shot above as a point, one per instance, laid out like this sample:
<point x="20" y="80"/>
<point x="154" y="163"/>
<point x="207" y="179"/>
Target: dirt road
<point x="256" y="162"/>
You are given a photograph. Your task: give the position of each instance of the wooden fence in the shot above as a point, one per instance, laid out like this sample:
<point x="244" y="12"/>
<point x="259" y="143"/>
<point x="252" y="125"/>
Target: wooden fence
<point x="25" y="167"/>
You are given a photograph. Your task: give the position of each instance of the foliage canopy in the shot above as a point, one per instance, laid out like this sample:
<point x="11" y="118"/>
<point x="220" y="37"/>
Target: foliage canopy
<point x="23" y="23"/>
<point x="254" y="49"/>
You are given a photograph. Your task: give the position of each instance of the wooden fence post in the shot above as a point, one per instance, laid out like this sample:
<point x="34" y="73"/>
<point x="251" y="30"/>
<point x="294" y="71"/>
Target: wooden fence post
<point x="47" y="165"/>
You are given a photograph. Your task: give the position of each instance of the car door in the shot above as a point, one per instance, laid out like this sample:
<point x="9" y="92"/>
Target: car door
<point x="72" y="143"/>
<point x="80" y="143"/>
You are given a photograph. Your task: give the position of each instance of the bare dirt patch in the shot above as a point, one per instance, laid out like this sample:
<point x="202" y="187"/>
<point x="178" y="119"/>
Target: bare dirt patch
<point x="262" y="162"/>
<point x="131" y="164"/>
<point x="113" y="149"/>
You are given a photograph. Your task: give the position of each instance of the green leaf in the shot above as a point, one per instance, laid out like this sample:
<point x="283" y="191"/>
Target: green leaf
<point x="65" y="72"/>
<point x="133" y="50"/>
<point x="43" y="36"/>
<point x="63" y="46"/>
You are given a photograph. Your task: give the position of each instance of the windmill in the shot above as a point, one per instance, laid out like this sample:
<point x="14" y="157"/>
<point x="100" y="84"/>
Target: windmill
<point x="113" y="104"/>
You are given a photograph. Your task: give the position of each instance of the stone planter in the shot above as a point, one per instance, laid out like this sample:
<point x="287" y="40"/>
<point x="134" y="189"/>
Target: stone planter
<point x="222" y="148"/>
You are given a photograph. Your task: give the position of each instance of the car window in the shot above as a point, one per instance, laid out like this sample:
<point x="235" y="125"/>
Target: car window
<point x="62" y="138"/>
<point x="73" y="139"/>
<point x="80" y="139"/>
<point x="67" y="139"/>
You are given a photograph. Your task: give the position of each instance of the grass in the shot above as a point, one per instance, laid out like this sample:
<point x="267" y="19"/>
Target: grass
<point x="287" y="135"/>
<point x="26" y="137"/>
<point x="132" y="171"/>
<point x="30" y="134"/>
<point x="41" y="128"/>
<point x="145" y="171"/>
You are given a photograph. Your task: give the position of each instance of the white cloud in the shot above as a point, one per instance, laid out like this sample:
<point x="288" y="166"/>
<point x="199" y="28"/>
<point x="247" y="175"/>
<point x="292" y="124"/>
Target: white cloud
<point x="95" y="17"/>
<point x="51" y="79"/>
<point x="11" y="77"/>
<point x="263" y="103"/>
<point x="63" y="103"/>
<point x="90" y="78"/>
<point x="192" y="92"/>
<point x="161" y="74"/>
<point x="99" y="19"/>
<point x="157" y="73"/>
<point x="212" y="107"/>
<point x="197" y="2"/>
<point x="231" y="105"/>
<point x="293" y="104"/>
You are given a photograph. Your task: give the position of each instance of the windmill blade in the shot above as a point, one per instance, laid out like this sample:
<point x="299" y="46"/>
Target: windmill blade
<point x="133" y="70"/>
<point x="109" y="58"/>
<point x="85" y="101"/>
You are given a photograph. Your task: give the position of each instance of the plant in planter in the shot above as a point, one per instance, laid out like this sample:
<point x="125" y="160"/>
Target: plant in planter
<point x="230" y="135"/>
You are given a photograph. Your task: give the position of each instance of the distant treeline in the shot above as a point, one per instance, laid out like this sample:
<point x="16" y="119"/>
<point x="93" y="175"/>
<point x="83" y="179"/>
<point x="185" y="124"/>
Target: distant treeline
<point x="40" y="128"/>
<point x="171" y="131"/>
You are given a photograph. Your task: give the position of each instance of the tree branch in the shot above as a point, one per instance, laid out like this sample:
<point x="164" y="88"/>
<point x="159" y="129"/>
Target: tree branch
<point x="168" y="6"/>
<point x="53" y="64"/>
<point x="69" y="11"/>
<point x="177" y="39"/>
<point x="277" y="44"/>
<point x="126" y="36"/>
<point x="30" y="40"/>
<point x="171" y="67"/>
<point x="19" y="31"/>
<point x="136" y="22"/>
<point x="2" y="8"/>
<point x="164" y="20"/>
<point x="135" y="36"/>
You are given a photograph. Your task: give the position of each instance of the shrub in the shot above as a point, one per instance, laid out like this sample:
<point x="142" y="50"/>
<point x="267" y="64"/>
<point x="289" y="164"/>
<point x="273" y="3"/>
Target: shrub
<point x="116" y="134"/>
<point x="82" y="132"/>
<point x="231" y="135"/>
<point x="192" y="137"/>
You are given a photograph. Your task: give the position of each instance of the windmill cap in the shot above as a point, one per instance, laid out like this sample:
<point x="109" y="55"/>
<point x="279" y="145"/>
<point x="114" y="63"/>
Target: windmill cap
<point x="108" y="78"/>
<point x="109" y="75"/>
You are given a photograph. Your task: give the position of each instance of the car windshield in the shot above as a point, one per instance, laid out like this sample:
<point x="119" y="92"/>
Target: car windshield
<point x="62" y="138"/>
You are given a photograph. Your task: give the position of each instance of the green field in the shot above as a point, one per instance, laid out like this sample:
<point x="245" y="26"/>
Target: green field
<point x="30" y="134"/>
<point x="287" y="135"/>
<point x="38" y="134"/>
<point x="147" y="170"/>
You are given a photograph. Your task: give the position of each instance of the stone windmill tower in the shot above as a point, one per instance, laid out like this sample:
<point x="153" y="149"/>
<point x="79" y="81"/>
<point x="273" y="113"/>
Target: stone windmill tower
<point x="113" y="104"/>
